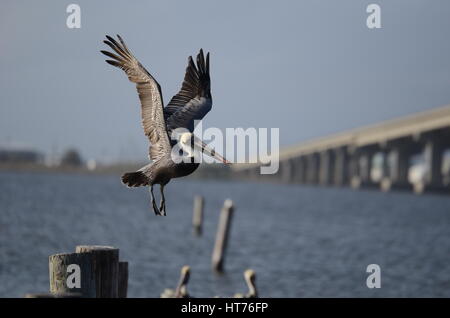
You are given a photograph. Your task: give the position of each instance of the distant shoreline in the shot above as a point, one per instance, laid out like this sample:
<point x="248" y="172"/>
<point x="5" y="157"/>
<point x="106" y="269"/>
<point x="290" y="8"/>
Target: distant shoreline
<point x="204" y="172"/>
<point x="28" y="167"/>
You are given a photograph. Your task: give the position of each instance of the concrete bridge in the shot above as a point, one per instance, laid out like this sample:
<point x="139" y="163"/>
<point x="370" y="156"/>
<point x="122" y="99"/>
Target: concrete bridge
<point x="412" y="152"/>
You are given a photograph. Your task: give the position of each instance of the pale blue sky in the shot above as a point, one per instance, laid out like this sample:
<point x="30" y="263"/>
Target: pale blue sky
<point x="310" y="68"/>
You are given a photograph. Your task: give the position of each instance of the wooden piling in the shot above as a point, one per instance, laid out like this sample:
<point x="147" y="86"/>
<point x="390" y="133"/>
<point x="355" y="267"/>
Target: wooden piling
<point x="223" y="231"/>
<point x="71" y="274"/>
<point x="197" y="218"/>
<point x="123" y="280"/>
<point x="105" y="267"/>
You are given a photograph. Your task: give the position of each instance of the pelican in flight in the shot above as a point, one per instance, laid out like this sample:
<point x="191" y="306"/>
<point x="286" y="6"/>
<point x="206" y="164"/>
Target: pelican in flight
<point x="192" y="102"/>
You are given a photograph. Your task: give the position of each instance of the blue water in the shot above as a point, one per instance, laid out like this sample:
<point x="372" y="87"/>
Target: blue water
<point x="301" y="241"/>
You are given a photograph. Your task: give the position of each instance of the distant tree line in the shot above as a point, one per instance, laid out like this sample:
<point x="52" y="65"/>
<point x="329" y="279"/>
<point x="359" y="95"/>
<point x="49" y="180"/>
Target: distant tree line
<point x="71" y="158"/>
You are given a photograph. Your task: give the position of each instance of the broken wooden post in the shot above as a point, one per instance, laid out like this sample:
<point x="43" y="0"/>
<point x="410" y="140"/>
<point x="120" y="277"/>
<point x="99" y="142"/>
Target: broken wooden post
<point x="105" y="267"/>
<point x="123" y="279"/>
<point x="72" y="274"/>
<point x="223" y="231"/>
<point x="197" y="218"/>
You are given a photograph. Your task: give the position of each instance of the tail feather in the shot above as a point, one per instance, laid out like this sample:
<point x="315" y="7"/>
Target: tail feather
<point x="135" y="179"/>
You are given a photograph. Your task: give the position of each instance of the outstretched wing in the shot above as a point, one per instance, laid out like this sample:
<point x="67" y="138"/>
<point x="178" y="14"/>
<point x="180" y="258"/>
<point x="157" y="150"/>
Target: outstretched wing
<point x="150" y="96"/>
<point x="193" y="101"/>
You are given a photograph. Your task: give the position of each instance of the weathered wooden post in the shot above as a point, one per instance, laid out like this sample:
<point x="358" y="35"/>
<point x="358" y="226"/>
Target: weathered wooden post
<point x="123" y="280"/>
<point x="105" y="268"/>
<point x="197" y="218"/>
<point x="72" y="274"/>
<point x="223" y="231"/>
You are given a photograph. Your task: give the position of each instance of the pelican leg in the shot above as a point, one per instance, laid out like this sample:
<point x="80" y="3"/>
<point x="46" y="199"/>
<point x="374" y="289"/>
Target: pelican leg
<point x="162" y="205"/>
<point x="155" y="207"/>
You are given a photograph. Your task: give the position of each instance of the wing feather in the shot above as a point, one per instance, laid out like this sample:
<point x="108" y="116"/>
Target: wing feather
<point x="194" y="100"/>
<point x="149" y="91"/>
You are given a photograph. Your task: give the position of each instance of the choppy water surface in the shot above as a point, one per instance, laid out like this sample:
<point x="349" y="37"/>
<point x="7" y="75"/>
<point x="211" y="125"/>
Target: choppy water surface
<point x="301" y="241"/>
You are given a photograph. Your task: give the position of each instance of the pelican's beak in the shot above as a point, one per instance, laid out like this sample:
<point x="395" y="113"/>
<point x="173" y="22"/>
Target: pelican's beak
<point x="210" y="152"/>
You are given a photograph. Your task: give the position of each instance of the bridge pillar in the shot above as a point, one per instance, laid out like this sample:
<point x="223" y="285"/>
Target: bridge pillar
<point x="341" y="166"/>
<point x="304" y="169"/>
<point x="365" y="164"/>
<point x="299" y="170"/>
<point x="312" y="172"/>
<point x="287" y="171"/>
<point x="353" y="168"/>
<point x="433" y="153"/>
<point x="361" y="165"/>
<point x="326" y="168"/>
<point x="397" y="155"/>
<point x="434" y="144"/>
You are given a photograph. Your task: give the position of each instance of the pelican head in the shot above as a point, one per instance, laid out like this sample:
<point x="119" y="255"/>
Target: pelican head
<point x="249" y="274"/>
<point x="186" y="141"/>
<point x="181" y="290"/>
<point x="185" y="273"/>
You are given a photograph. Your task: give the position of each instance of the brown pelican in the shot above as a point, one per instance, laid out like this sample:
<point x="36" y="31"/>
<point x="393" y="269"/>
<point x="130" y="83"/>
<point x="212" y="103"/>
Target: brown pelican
<point x="192" y="102"/>
<point x="250" y="278"/>
<point x="181" y="290"/>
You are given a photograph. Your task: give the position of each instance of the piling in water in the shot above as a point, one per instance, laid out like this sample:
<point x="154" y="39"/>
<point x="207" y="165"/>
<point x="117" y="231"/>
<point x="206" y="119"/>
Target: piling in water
<point x="197" y="217"/>
<point x="72" y="273"/>
<point x="223" y="232"/>
<point x="123" y="280"/>
<point x="91" y="272"/>
<point x="105" y="268"/>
